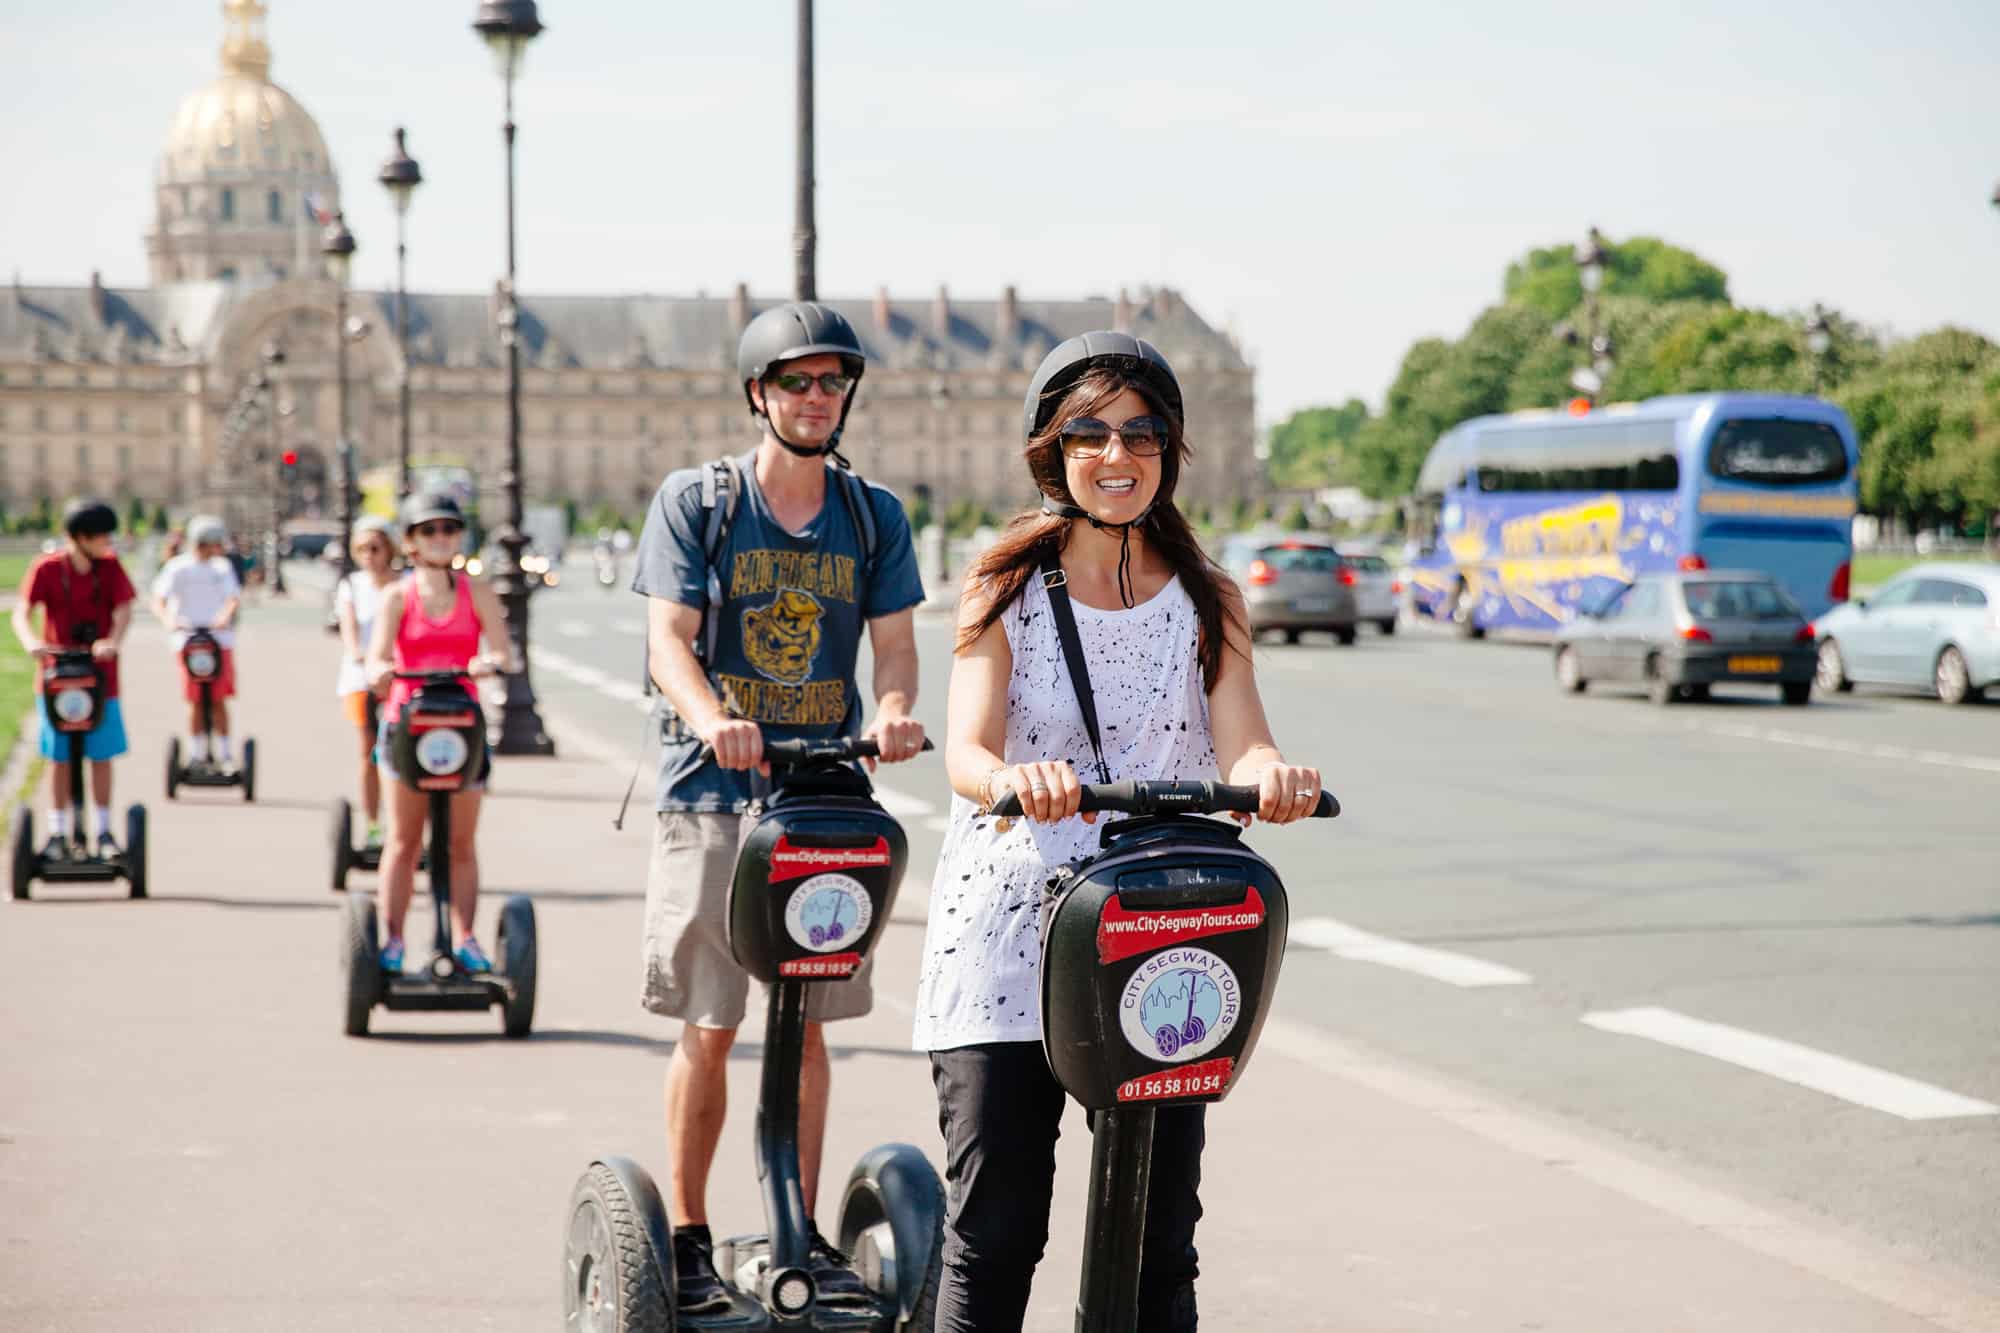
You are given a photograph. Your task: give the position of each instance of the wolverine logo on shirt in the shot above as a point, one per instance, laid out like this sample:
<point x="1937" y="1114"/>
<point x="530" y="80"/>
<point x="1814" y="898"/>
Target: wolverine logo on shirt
<point x="782" y="637"/>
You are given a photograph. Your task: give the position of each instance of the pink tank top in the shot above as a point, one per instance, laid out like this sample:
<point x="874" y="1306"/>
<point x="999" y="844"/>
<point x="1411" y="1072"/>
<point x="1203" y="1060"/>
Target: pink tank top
<point x="423" y="644"/>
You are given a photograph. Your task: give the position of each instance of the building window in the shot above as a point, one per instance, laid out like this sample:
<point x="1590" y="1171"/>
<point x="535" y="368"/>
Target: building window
<point x="556" y="422"/>
<point x="41" y="419"/>
<point x="274" y="207"/>
<point x="124" y="460"/>
<point x="229" y="205"/>
<point x="174" y="419"/>
<point x="642" y="424"/>
<point x="82" y="419"/>
<point x="124" y="419"/>
<point x="83" y="460"/>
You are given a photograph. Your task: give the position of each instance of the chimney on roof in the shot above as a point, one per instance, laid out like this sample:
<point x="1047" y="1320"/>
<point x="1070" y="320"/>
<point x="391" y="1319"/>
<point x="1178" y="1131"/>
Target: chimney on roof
<point x="1009" y="322"/>
<point x="1121" y="313"/>
<point x="1163" y="303"/>
<point x="882" y="309"/>
<point x="97" y="296"/>
<point x="941" y="314"/>
<point x="739" y="306"/>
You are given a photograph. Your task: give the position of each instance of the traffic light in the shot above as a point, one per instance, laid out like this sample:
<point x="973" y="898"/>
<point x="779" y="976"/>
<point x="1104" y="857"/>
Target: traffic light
<point x="290" y="458"/>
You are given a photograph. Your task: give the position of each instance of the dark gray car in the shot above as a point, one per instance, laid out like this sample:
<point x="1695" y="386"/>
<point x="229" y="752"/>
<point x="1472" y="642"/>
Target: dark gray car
<point x="1678" y="634"/>
<point x="1291" y="584"/>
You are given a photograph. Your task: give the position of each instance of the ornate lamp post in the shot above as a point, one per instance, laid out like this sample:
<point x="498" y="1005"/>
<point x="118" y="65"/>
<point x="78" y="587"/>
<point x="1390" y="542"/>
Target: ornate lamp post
<point x="1819" y="341"/>
<point x="508" y="26"/>
<point x="1590" y="378"/>
<point x="401" y="176"/>
<point x="274" y="356"/>
<point x="337" y="244"/>
<point x="805" y="237"/>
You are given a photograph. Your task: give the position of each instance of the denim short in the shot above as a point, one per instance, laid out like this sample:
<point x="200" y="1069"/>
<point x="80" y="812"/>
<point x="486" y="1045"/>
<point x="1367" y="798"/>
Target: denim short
<point x="106" y="740"/>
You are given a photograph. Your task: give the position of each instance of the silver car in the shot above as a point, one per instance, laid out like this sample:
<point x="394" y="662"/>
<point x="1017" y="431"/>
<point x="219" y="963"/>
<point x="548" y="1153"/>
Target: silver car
<point x="1678" y="634"/>
<point x="1291" y="584"/>
<point x="1934" y="626"/>
<point x="1375" y="589"/>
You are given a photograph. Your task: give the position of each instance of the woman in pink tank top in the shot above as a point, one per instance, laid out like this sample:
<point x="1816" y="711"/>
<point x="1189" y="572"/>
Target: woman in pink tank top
<point x="432" y="620"/>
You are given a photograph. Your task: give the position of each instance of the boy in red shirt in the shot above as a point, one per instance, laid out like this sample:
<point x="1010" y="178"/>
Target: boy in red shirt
<point x="86" y="602"/>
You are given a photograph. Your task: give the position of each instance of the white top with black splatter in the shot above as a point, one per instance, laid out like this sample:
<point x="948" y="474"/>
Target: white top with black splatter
<point x="982" y="950"/>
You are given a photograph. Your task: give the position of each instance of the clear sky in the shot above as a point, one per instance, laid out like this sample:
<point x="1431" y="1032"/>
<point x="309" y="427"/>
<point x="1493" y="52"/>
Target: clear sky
<point x="1330" y="179"/>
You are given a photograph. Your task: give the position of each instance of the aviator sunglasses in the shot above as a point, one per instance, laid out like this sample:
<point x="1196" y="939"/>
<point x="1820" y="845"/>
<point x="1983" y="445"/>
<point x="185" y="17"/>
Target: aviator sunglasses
<point x="1087" y="437"/>
<point x="443" y="528"/>
<point x="793" y="382"/>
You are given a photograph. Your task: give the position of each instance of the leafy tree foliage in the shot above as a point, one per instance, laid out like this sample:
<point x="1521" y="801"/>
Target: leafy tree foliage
<point x="1311" y="447"/>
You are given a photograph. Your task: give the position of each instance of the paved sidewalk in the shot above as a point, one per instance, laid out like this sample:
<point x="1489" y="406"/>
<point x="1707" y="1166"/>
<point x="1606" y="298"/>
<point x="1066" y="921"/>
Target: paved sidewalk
<point x="187" y="1141"/>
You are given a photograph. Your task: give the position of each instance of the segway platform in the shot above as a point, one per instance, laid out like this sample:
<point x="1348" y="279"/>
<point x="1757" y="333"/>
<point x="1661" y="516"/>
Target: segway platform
<point x="201" y="656"/>
<point x="72" y="696"/>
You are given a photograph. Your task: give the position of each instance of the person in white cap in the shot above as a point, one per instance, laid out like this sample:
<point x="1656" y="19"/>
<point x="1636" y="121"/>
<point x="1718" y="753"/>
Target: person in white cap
<point x="356" y="598"/>
<point x="198" y="589"/>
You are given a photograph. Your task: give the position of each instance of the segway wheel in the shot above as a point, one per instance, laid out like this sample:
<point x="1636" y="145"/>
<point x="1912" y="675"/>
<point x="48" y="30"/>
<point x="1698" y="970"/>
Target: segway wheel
<point x="611" y="1280"/>
<point x="343" y="843"/>
<point x="518" y="963"/>
<point x="894" y="1192"/>
<point x="26" y="859"/>
<point x="361" y="960"/>
<point x="173" y="766"/>
<point x="135" y="850"/>
<point x="249" y="770"/>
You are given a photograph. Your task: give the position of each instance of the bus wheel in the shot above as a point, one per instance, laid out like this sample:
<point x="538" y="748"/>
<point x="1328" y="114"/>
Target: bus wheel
<point x="1568" y="674"/>
<point x="1658" y="688"/>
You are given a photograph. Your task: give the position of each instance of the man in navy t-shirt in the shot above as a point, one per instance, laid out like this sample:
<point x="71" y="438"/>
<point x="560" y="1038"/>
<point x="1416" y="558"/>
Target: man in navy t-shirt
<point x="792" y="586"/>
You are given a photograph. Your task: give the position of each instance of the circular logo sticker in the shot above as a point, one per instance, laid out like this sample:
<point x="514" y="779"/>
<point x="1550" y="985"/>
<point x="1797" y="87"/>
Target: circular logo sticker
<point x="828" y="912"/>
<point x="201" y="665"/>
<point x="72" y="705"/>
<point x="442" y="751"/>
<point x="1180" y="1004"/>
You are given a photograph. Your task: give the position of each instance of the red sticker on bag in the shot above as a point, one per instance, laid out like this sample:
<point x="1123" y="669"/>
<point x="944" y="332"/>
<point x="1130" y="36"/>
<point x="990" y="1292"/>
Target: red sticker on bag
<point x="1210" y="1078"/>
<point x="789" y="861"/>
<point x="822" y="965"/>
<point x="1122" y="933"/>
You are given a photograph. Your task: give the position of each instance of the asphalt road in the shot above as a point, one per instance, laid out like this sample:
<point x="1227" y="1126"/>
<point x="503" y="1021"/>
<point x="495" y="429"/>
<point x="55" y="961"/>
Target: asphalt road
<point x="1827" y="877"/>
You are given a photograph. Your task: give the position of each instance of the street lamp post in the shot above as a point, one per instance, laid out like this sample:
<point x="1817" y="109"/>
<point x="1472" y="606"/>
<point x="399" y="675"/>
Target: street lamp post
<point x="1819" y="341"/>
<point x="274" y="356"/>
<point x="337" y="244"/>
<point x="508" y="26"/>
<point x="805" y="237"/>
<point x="401" y="175"/>
<point x="1590" y="377"/>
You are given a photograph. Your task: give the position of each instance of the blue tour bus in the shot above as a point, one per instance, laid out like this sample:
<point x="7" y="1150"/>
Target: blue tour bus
<point x="1521" y="517"/>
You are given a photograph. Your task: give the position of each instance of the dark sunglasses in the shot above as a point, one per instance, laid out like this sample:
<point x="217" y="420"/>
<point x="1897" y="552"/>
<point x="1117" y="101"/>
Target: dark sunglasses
<point x="794" y="382"/>
<point x="1087" y="437"/>
<point x="439" y="529"/>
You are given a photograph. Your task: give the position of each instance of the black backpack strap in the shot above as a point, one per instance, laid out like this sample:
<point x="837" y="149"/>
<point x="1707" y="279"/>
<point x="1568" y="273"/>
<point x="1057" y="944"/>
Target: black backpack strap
<point x="1054" y="583"/>
<point x="721" y="489"/>
<point x="861" y="511"/>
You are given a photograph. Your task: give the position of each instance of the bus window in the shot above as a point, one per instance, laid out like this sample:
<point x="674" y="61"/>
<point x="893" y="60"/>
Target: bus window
<point x="1777" y="453"/>
<point x="1608" y="456"/>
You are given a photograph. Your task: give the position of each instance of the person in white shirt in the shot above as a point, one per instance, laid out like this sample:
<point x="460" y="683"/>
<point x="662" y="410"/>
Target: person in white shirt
<point x="355" y="600"/>
<point x="199" y="590"/>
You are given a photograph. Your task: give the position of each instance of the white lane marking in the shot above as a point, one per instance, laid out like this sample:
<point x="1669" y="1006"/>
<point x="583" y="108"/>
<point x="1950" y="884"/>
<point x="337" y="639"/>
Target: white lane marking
<point x="901" y="804"/>
<point x="938" y="823"/>
<point x="1940" y="758"/>
<point x="575" y="629"/>
<point x="1864" y="1085"/>
<point x="627" y="625"/>
<point x="1345" y="941"/>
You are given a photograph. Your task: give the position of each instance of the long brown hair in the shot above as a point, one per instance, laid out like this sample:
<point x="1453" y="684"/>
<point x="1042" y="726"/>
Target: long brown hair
<point x="1030" y="535"/>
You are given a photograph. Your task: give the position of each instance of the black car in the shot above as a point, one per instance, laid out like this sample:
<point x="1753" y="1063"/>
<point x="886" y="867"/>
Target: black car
<point x="1678" y="634"/>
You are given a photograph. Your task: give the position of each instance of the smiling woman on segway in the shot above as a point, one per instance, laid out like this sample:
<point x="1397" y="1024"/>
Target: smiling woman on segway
<point x="1099" y="609"/>
<point x="434" y="619"/>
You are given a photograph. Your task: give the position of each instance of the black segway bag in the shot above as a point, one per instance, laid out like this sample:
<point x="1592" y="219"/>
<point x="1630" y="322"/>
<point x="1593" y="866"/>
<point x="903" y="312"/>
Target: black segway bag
<point x="72" y="691"/>
<point x="816" y="874"/>
<point x="439" y="741"/>
<point x="201" y="655"/>
<point x="1159" y="957"/>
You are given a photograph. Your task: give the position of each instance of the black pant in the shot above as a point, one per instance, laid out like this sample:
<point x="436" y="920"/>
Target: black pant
<point x="1001" y="1109"/>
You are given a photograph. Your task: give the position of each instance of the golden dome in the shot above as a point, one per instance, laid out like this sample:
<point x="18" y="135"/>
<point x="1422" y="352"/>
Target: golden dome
<point x="242" y="124"/>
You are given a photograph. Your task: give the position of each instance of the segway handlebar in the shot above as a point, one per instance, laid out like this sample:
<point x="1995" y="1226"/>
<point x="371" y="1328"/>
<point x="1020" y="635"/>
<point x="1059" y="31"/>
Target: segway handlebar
<point x="1168" y="798"/>
<point x="800" y="753"/>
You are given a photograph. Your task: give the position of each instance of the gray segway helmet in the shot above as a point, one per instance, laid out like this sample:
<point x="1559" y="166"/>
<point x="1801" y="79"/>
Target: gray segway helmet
<point x="1135" y="358"/>
<point x="793" y="330"/>
<point x="425" y="507"/>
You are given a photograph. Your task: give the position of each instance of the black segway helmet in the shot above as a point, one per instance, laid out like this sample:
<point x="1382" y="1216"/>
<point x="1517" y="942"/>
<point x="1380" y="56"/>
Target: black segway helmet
<point x="89" y="518"/>
<point x="1104" y="349"/>
<point x="788" y="332"/>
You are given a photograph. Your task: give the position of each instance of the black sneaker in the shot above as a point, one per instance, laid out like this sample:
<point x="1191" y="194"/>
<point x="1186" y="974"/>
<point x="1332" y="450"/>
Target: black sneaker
<point x="56" y="849"/>
<point x="107" y="847"/>
<point x="697" y="1286"/>
<point x="833" y="1274"/>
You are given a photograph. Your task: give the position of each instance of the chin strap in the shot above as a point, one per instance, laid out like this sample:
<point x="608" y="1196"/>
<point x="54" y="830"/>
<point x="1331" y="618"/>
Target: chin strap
<point x="1064" y="509"/>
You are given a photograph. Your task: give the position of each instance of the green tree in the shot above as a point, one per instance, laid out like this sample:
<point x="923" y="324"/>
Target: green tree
<point x="1928" y="414"/>
<point x="1310" y="447"/>
<point x="920" y="511"/>
<point x="1294" y="519"/>
<point x="1546" y="280"/>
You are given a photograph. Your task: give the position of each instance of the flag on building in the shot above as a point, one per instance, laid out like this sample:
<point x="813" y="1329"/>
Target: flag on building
<point x="316" y="208"/>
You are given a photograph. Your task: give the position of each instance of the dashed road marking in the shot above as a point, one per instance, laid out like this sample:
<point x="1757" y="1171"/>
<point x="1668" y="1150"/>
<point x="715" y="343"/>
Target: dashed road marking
<point x="1345" y="941"/>
<point x="1864" y="1085"/>
<point x="1776" y="736"/>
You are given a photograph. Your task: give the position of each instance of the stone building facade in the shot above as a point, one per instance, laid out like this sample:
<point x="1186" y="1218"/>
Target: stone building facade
<point x="128" y="392"/>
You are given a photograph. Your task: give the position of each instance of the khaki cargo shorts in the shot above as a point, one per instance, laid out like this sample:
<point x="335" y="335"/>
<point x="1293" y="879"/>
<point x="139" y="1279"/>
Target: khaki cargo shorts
<point x="690" y="973"/>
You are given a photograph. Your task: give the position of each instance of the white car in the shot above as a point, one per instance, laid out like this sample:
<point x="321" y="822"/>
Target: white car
<point x="1376" y="590"/>
<point x="1933" y="626"/>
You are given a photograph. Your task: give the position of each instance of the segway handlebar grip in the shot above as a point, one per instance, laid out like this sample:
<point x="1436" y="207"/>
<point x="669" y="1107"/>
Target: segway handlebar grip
<point x="796" y="754"/>
<point x="1161" y="798"/>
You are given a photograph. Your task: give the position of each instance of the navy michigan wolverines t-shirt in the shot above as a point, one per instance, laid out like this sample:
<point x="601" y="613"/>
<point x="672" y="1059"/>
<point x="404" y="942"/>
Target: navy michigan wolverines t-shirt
<point x="792" y="611"/>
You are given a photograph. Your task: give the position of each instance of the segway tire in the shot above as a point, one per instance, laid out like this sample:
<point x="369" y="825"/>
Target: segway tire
<point x="892" y="1224"/>
<point x="173" y="766"/>
<point x="612" y="1277"/>
<point x="135" y="850"/>
<point x="519" y="964"/>
<point x="343" y="843"/>
<point x="249" y="771"/>
<point x="361" y="960"/>
<point x="26" y="859"/>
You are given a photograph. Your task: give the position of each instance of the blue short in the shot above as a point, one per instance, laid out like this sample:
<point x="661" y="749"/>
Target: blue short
<point x="106" y="740"/>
